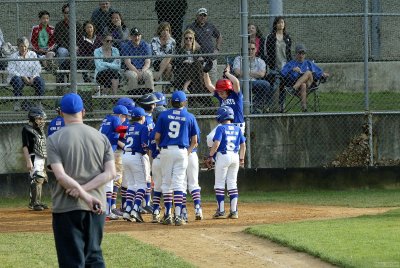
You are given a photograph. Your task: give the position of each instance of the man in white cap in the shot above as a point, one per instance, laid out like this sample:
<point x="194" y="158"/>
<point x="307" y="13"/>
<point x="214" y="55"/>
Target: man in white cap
<point x="206" y="32"/>
<point x="82" y="161"/>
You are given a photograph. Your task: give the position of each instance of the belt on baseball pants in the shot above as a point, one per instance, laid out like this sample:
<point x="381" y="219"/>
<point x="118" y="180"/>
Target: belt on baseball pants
<point x="173" y="147"/>
<point x="239" y="124"/>
<point x="132" y="152"/>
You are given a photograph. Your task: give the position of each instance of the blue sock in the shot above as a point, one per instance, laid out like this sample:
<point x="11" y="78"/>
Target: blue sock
<point x="196" y="198"/>
<point x="178" y="196"/>
<point x="220" y="195"/>
<point x="147" y="196"/>
<point x="123" y="197"/>
<point x="114" y="197"/>
<point x="138" y="199"/>
<point x="184" y="202"/>
<point x="130" y="195"/>
<point x="108" y="200"/>
<point x="233" y="195"/>
<point x="156" y="200"/>
<point x="167" y="203"/>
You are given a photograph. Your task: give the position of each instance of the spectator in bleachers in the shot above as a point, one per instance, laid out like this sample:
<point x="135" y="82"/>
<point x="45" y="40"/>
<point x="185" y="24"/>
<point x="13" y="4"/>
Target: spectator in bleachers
<point x="137" y="69"/>
<point x="172" y="11"/>
<point x="107" y="68"/>
<point x="101" y="17"/>
<point x="87" y="43"/>
<point x="206" y="32"/>
<point x="61" y="35"/>
<point x="161" y="45"/>
<point x="22" y="73"/>
<point x="188" y="70"/>
<point x="43" y="41"/>
<point x="256" y="36"/>
<point x="260" y="88"/>
<point x="277" y="52"/>
<point x="118" y="29"/>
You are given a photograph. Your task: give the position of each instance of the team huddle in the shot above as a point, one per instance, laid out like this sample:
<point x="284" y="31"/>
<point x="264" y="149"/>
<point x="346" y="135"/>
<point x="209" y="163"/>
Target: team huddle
<point x="155" y="152"/>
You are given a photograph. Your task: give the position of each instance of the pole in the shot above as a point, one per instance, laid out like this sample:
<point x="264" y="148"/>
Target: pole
<point x="276" y="9"/>
<point x="72" y="45"/>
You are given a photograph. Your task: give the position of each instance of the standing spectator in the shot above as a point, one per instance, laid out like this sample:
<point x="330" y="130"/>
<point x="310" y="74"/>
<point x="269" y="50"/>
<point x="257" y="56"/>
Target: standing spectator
<point x="101" y="17"/>
<point x="118" y="29"/>
<point x="206" y="32"/>
<point x="87" y="43"/>
<point x="43" y="40"/>
<point x="172" y="11"/>
<point x="188" y="70"/>
<point x="22" y="73"/>
<point x="107" y="68"/>
<point x="255" y="35"/>
<point x="300" y="73"/>
<point x="61" y="35"/>
<point x="261" y="90"/>
<point x="277" y="52"/>
<point x="35" y="153"/>
<point x="161" y="45"/>
<point x="82" y="161"/>
<point x="137" y="69"/>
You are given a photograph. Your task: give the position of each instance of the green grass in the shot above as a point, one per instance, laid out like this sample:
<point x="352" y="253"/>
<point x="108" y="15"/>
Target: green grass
<point x="365" y="241"/>
<point x="119" y="250"/>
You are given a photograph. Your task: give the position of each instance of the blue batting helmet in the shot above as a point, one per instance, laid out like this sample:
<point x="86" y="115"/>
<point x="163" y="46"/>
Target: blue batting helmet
<point x="225" y="113"/>
<point x="161" y="99"/>
<point x="127" y="102"/>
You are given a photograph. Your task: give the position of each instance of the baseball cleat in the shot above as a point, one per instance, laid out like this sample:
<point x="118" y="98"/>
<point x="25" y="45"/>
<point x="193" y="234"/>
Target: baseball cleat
<point x="199" y="214"/>
<point x="156" y="218"/>
<point x="167" y="220"/>
<point x="112" y="217"/>
<point x="44" y="206"/>
<point x="126" y="216"/>
<point x="137" y="216"/>
<point x="233" y="215"/>
<point x="179" y="221"/>
<point x="38" y="208"/>
<point x="117" y="212"/>
<point x="185" y="217"/>
<point x="147" y="210"/>
<point x="219" y="215"/>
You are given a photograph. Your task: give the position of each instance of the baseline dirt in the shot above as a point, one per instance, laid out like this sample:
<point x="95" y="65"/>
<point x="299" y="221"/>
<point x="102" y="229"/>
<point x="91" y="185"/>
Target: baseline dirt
<point x="210" y="243"/>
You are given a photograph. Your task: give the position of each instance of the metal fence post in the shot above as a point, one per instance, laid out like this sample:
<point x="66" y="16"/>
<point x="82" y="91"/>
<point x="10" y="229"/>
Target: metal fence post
<point x="72" y="45"/>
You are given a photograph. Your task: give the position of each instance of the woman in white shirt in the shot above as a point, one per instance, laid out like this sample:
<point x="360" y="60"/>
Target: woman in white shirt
<point x="25" y="73"/>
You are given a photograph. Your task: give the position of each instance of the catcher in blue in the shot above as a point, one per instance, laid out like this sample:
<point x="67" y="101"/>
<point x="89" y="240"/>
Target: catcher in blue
<point x="228" y="151"/>
<point x="112" y="127"/>
<point x="56" y="123"/>
<point x="228" y="93"/>
<point x="172" y="132"/>
<point x="134" y="160"/>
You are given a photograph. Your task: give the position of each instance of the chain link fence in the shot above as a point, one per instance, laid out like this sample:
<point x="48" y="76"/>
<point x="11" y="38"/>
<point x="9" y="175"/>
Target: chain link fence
<point x="126" y="48"/>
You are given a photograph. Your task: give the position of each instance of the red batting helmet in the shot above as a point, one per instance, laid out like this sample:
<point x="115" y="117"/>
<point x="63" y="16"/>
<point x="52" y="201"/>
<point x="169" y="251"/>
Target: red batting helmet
<point x="223" y="85"/>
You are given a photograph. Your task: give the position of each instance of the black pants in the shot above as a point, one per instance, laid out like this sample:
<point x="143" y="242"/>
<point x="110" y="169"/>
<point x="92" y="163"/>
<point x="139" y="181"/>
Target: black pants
<point x="78" y="235"/>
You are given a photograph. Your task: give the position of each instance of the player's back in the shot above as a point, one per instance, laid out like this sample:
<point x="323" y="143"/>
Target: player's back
<point x="137" y="137"/>
<point x="108" y="128"/>
<point x="230" y="137"/>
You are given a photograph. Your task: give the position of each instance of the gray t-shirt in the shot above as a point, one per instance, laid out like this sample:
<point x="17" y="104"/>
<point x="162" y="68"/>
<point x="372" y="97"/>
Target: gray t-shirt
<point x="83" y="151"/>
<point x="280" y="54"/>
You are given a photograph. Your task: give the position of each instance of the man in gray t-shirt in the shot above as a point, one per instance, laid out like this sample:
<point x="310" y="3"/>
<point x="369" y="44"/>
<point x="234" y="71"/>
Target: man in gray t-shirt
<point x="82" y="161"/>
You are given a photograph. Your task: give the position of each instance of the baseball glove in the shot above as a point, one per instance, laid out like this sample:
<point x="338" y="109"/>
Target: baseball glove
<point x="208" y="64"/>
<point x="208" y="163"/>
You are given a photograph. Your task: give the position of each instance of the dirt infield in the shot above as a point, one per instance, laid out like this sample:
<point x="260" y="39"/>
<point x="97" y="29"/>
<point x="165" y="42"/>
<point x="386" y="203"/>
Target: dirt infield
<point x="210" y="243"/>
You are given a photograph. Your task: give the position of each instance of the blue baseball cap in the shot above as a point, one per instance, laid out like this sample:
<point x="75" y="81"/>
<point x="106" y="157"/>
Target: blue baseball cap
<point x="179" y="96"/>
<point x="138" y="112"/>
<point x="71" y="103"/>
<point x="120" y="109"/>
<point x="161" y="98"/>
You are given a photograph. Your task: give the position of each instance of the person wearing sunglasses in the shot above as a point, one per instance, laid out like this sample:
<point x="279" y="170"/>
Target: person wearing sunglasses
<point x="209" y="39"/>
<point x="107" y="67"/>
<point x="300" y="73"/>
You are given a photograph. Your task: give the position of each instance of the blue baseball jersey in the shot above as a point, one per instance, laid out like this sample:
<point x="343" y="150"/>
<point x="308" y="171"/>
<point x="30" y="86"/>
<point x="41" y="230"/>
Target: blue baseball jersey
<point x="152" y="145"/>
<point x="108" y="128"/>
<point x="55" y="125"/>
<point x="175" y="127"/>
<point x="149" y="122"/>
<point x="198" y="139"/>
<point x="230" y="137"/>
<point x="235" y="101"/>
<point x="137" y="138"/>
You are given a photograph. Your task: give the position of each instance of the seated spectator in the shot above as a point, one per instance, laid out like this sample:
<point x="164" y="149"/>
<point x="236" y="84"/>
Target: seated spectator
<point x="188" y="70"/>
<point x="161" y="45"/>
<point x="43" y="41"/>
<point x="101" y="17"/>
<point x="261" y="90"/>
<point x="300" y="74"/>
<point x="107" y="68"/>
<point x="87" y="43"/>
<point x="137" y="69"/>
<point x="118" y="29"/>
<point x="61" y="36"/>
<point x="255" y="35"/>
<point x="22" y="73"/>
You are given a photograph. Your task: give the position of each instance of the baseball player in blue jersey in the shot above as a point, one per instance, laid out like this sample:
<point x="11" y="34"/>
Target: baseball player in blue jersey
<point x="172" y="132"/>
<point x="148" y="103"/>
<point x="162" y="101"/>
<point x="191" y="183"/>
<point x="134" y="160"/>
<point x="228" y="150"/>
<point x="111" y="127"/>
<point x="121" y="182"/>
<point x="56" y="123"/>
<point x="156" y="168"/>
<point x="228" y="93"/>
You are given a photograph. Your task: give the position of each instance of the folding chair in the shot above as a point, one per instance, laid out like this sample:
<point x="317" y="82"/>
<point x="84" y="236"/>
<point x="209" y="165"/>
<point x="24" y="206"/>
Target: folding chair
<point x="294" y="97"/>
